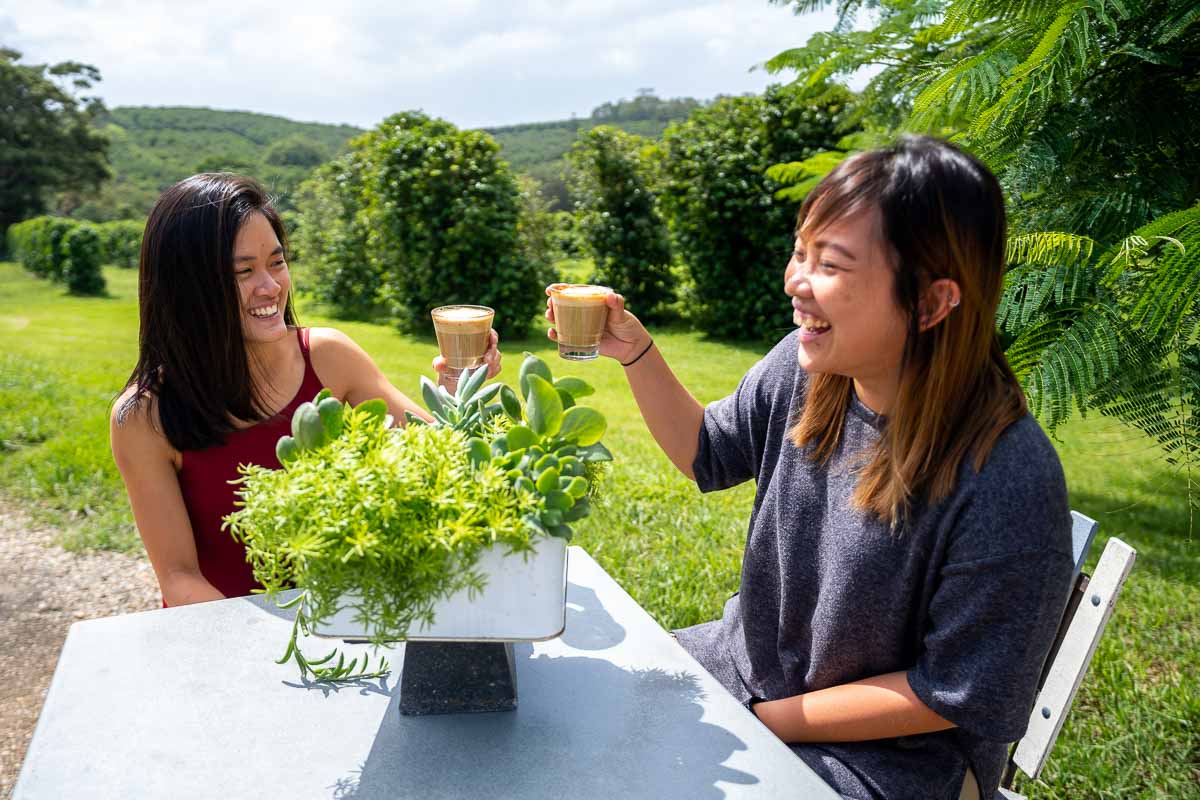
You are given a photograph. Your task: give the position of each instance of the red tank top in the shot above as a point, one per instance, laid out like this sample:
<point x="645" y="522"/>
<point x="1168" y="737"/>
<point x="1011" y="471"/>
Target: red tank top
<point x="208" y="495"/>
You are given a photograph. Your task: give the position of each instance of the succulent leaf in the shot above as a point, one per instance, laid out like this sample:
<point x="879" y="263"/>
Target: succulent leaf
<point x="543" y="407"/>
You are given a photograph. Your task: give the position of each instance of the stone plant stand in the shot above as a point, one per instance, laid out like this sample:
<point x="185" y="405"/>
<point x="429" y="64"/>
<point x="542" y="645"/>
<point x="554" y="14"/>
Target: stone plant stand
<point x="457" y="678"/>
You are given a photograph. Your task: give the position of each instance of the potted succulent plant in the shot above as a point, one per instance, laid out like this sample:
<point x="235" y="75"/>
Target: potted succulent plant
<point x="380" y="527"/>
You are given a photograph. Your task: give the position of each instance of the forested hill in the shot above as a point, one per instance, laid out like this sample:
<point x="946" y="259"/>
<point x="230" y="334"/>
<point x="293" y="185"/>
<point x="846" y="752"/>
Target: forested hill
<point x="537" y="148"/>
<point x="151" y="148"/>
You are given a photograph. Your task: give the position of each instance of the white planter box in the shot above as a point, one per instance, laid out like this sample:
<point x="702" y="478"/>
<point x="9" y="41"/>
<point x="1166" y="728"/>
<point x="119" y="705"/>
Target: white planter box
<point x="524" y="600"/>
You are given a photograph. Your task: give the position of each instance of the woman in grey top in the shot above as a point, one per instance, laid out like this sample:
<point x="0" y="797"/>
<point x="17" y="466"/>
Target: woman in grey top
<point x="908" y="555"/>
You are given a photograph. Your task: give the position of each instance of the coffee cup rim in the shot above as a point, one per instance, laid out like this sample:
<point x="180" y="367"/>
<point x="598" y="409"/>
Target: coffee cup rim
<point x="556" y="288"/>
<point x="433" y="312"/>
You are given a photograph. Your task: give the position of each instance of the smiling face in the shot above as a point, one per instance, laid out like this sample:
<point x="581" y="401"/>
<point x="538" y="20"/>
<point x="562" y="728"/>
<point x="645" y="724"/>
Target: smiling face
<point x="262" y="280"/>
<point x="841" y="282"/>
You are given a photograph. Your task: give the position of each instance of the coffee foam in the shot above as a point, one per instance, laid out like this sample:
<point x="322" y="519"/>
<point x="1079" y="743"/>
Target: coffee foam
<point x="462" y="314"/>
<point x="584" y="294"/>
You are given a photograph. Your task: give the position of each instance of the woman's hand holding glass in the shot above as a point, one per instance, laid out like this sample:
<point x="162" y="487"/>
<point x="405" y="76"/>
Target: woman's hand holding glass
<point x="491" y="357"/>
<point x="624" y="335"/>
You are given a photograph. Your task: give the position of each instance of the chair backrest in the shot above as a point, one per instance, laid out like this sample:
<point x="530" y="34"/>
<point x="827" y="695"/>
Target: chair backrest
<point x="1088" y="613"/>
<point x="1083" y="531"/>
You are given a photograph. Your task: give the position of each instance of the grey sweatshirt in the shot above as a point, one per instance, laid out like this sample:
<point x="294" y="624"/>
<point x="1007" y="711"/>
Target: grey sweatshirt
<point x="965" y="597"/>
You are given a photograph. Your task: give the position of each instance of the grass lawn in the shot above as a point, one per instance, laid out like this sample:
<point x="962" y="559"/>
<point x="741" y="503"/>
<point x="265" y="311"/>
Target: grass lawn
<point x="1135" y="727"/>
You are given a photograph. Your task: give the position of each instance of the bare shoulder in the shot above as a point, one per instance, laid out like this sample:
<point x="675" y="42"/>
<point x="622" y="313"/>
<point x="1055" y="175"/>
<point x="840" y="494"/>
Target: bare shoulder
<point x="333" y="347"/>
<point x="130" y="412"/>
<point x="134" y="426"/>
<point x="339" y="362"/>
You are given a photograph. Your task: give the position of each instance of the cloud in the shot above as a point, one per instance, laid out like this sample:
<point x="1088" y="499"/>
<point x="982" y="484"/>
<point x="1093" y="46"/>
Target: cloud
<point x="474" y="62"/>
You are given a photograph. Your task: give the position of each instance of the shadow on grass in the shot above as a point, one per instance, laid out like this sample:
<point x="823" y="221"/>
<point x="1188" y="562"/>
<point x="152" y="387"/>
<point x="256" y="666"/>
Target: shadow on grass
<point x="1157" y="527"/>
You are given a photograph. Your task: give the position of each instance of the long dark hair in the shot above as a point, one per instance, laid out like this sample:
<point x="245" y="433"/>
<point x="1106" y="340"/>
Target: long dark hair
<point x="191" y="352"/>
<point x="943" y="216"/>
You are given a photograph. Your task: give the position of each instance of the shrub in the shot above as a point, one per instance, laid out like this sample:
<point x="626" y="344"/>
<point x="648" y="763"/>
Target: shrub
<point x="38" y="244"/>
<point x="21" y="240"/>
<point x="447" y="209"/>
<point x="731" y="232"/>
<point x="121" y="242"/>
<point x="611" y="177"/>
<point x="329" y="241"/>
<point x="84" y="254"/>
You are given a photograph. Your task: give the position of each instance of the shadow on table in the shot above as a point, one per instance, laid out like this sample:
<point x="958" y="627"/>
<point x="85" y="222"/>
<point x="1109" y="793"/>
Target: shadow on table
<point x="589" y="625"/>
<point x="583" y="727"/>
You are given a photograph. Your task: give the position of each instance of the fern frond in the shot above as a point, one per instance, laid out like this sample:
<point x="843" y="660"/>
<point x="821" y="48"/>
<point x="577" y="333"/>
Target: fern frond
<point x="1062" y="55"/>
<point x="1172" y="288"/>
<point x="1049" y="247"/>
<point x="1026" y="352"/>
<point x="1160" y="395"/>
<point x="807" y="173"/>
<point x="962" y="15"/>
<point x="1172" y="29"/>
<point x="970" y="84"/>
<point x="1085" y="354"/>
<point x="1051" y="269"/>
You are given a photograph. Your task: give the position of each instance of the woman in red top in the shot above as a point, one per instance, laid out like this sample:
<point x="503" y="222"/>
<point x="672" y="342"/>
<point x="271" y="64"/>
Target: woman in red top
<point x="221" y="367"/>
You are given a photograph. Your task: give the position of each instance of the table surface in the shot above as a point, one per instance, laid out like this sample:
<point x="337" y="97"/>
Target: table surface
<point x="188" y="702"/>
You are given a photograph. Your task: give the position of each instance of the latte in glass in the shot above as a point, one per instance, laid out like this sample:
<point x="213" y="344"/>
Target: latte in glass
<point x="579" y="316"/>
<point x="463" y="333"/>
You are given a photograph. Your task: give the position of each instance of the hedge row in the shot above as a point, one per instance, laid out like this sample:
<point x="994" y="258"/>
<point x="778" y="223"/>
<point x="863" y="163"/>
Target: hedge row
<point x="62" y="250"/>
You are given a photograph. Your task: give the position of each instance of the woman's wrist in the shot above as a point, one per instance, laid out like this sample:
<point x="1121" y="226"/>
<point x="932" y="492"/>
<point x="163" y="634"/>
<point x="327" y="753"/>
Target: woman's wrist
<point x="641" y="351"/>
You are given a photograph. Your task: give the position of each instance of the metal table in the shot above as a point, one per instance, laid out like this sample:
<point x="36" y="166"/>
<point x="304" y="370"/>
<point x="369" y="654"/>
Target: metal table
<point x="188" y="702"/>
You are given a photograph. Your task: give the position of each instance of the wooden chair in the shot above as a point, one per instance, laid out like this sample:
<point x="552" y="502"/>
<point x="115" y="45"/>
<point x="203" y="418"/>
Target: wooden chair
<point x="1088" y="610"/>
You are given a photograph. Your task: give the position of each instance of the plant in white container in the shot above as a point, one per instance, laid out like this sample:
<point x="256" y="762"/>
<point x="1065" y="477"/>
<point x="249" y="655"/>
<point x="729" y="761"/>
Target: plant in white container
<point x="383" y="523"/>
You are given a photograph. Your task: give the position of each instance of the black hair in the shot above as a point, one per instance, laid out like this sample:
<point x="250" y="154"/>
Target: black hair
<point x="191" y="352"/>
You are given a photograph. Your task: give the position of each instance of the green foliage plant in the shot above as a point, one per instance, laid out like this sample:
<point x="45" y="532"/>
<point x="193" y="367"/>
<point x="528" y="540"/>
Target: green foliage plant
<point x="122" y="242"/>
<point x="23" y="242"/>
<point x="39" y="244"/>
<point x="336" y="239"/>
<point x="420" y="214"/>
<point x="83" y="253"/>
<point x="611" y="179"/>
<point x="388" y="521"/>
<point x="731" y="232"/>
<point x="447" y="209"/>
<point x="538" y="227"/>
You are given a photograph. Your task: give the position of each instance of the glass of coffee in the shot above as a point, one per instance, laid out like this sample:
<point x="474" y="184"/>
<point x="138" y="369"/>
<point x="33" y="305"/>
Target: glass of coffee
<point x="579" y="316"/>
<point x="463" y="334"/>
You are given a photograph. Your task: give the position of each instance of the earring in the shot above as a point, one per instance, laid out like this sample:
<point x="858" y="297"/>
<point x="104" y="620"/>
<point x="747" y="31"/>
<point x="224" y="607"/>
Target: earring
<point x="954" y="304"/>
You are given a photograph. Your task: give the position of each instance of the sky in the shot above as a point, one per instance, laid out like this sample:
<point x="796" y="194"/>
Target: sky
<point x="476" y="63"/>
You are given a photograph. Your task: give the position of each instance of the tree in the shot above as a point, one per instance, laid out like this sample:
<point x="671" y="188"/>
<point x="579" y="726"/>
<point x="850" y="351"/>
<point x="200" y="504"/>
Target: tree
<point x="536" y="226"/>
<point x="1086" y="110"/>
<point x="296" y="150"/>
<point x="611" y="177"/>
<point x="47" y="142"/>
<point x="448" y="207"/>
<point x="730" y="230"/>
<point x="420" y="214"/>
<point x="338" y="262"/>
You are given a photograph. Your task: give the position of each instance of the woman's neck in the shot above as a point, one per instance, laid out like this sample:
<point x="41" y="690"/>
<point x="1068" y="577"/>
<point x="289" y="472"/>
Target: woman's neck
<point x="878" y="393"/>
<point x="268" y="359"/>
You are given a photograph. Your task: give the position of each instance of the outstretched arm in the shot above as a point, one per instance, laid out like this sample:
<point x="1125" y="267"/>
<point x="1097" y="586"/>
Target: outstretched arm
<point x="669" y="410"/>
<point x="352" y="375"/>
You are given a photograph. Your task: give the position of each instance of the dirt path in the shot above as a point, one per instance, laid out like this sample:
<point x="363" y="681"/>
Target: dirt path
<point x="43" y="590"/>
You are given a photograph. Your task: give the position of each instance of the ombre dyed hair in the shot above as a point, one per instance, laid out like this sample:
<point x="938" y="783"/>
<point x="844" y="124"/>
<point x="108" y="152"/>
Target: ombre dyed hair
<point x="943" y="217"/>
